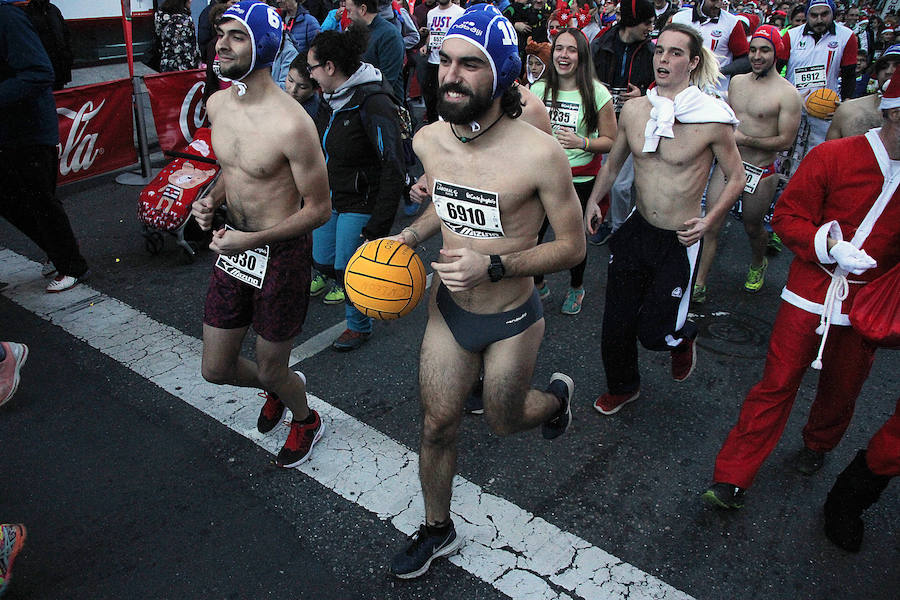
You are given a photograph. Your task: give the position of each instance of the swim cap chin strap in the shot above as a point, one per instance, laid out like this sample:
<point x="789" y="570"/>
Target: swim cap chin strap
<point x="264" y="27"/>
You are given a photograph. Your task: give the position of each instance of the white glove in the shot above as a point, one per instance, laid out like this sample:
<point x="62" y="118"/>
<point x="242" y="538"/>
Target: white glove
<point x="852" y="259"/>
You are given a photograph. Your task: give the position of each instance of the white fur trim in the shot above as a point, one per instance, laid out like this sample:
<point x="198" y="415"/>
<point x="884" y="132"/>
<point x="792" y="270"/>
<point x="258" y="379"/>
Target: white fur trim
<point x="815" y="308"/>
<point x="820" y="242"/>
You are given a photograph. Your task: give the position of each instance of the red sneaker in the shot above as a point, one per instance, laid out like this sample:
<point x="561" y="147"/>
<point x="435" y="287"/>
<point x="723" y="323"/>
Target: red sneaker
<point x="299" y="445"/>
<point x="683" y="361"/>
<point x="610" y="404"/>
<point x="271" y="412"/>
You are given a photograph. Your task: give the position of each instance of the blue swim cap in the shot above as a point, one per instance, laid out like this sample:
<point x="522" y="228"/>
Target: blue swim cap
<point x="487" y="29"/>
<point x="264" y="25"/>
<point x="812" y="3"/>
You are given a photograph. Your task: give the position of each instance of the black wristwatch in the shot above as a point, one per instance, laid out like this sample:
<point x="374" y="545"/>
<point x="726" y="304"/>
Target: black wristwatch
<point x="496" y="271"/>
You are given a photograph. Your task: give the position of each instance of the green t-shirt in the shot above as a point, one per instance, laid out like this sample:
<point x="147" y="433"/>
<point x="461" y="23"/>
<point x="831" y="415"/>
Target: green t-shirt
<point x="569" y="114"/>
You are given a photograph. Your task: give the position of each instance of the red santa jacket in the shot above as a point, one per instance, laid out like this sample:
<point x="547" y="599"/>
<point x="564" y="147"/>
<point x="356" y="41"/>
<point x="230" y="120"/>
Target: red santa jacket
<point x="831" y="193"/>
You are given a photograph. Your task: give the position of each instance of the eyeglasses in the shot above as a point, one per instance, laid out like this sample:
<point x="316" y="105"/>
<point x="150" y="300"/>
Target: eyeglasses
<point x="309" y="68"/>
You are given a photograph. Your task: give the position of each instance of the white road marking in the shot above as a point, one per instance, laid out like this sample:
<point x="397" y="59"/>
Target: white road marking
<point x="520" y="554"/>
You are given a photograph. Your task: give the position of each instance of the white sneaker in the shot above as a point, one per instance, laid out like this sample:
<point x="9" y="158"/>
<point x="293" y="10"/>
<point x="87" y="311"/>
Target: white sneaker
<point x="48" y="269"/>
<point x="62" y="283"/>
<point x="16" y="355"/>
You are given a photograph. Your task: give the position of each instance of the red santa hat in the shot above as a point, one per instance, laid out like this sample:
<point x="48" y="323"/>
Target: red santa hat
<point x="891" y="98"/>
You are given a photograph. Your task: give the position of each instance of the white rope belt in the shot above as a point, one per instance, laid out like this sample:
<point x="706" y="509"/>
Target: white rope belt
<point x="838" y="289"/>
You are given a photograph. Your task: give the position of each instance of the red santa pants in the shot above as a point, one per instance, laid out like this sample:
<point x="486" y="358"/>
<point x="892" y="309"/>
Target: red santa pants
<point x="792" y="347"/>
<point x="883" y="454"/>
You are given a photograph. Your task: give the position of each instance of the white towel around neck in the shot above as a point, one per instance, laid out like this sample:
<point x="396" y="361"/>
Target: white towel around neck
<point x="690" y="106"/>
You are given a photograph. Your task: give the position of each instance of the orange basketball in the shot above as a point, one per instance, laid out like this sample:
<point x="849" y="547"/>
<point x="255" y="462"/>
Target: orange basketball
<point x="385" y="279"/>
<point x="821" y="103"/>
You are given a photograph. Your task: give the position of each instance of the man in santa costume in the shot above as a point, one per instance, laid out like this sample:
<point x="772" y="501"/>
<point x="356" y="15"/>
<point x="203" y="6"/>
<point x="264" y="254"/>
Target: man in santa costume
<point x="841" y="218"/>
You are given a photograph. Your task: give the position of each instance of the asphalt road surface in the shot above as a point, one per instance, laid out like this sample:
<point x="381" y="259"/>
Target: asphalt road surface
<point x="137" y="479"/>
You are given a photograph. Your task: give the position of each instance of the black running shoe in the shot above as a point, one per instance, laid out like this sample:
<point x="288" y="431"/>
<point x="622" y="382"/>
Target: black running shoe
<point x="562" y="387"/>
<point x="424" y="548"/>
<point x="725" y="495"/>
<point x="300" y="441"/>
<point x="272" y="412"/>
<point x="809" y="461"/>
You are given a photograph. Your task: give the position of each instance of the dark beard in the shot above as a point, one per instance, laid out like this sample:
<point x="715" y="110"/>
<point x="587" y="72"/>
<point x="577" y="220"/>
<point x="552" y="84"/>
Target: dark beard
<point x="235" y="71"/>
<point x="462" y="114"/>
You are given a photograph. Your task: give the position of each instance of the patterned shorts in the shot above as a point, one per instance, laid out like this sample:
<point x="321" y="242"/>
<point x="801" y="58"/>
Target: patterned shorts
<point x="276" y="311"/>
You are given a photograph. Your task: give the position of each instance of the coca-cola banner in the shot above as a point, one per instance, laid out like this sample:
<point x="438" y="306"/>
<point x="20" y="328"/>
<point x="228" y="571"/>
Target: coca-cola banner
<point x="96" y="129"/>
<point x="176" y="99"/>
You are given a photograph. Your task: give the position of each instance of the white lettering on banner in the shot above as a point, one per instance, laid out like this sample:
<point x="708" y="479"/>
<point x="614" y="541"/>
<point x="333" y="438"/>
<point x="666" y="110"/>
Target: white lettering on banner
<point x="193" y="98"/>
<point x="78" y="153"/>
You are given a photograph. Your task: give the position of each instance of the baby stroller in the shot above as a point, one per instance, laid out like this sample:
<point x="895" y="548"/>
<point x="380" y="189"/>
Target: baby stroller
<point x="165" y="204"/>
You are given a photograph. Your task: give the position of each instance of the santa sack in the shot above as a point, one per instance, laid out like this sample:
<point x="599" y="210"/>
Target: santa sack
<point x="165" y="203"/>
<point x="876" y="309"/>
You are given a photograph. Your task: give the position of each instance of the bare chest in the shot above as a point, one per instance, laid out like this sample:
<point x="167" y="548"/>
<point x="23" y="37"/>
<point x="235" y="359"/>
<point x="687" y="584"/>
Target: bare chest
<point x="754" y="104"/>
<point x="255" y="153"/>
<point x="679" y="152"/>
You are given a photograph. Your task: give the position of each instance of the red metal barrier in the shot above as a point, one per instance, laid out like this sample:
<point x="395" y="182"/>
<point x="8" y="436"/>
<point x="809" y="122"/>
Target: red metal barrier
<point x="96" y="129"/>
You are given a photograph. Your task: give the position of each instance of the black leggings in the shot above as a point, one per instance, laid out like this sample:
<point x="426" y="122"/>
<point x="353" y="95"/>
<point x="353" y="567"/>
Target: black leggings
<point x="576" y="273"/>
<point x="28" y="201"/>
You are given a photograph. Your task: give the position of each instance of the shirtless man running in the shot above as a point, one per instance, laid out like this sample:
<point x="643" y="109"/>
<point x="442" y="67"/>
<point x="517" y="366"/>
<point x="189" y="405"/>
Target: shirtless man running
<point x="857" y="116"/>
<point x="489" y="200"/>
<point x="276" y="184"/>
<point x="768" y="107"/>
<point x="654" y="253"/>
<point x="533" y="112"/>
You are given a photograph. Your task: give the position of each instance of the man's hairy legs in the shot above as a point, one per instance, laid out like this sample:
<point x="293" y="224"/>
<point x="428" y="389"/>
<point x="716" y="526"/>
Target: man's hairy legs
<point x="447" y="373"/>
<point x="224" y="365"/>
<point x="753" y="210"/>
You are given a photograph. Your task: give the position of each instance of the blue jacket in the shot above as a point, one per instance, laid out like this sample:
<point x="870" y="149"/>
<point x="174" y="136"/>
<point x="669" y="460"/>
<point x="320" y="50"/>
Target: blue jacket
<point x="332" y="22"/>
<point x="27" y="107"/>
<point x="283" y="60"/>
<point x="303" y="28"/>
<point x="386" y="52"/>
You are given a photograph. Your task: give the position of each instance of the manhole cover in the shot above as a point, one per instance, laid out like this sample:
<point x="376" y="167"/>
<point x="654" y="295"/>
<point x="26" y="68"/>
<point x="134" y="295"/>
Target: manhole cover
<point x="733" y="334"/>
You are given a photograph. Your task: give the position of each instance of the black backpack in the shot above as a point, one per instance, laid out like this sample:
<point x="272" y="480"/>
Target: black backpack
<point x="404" y="119"/>
<point x="55" y="37"/>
